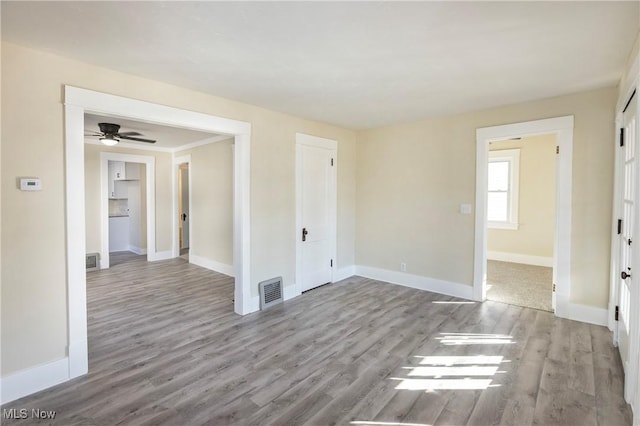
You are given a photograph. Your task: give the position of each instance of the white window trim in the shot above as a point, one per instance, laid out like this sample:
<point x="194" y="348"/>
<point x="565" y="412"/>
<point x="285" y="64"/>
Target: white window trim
<point x="513" y="157"/>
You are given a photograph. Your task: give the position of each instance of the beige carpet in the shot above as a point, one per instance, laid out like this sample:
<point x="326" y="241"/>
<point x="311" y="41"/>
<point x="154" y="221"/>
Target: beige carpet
<point x="518" y="284"/>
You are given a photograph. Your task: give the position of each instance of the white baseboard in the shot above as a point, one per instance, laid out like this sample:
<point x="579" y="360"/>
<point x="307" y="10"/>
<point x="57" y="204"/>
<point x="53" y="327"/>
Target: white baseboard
<point x="344" y="273"/>
<point x="520" y="258"/>
<point x="416" y="281"/>
<point x="578" y="312"/>
<point x="211" y="264"/>
<point x="137" y="250"/>
<point x="32" y="380"/>
<point x="160" y="255"/>
<point x="588" y="314"/>
<point x="254" y="304"/>
<point x="290" y="291"/>
<point x="583" y="313"/>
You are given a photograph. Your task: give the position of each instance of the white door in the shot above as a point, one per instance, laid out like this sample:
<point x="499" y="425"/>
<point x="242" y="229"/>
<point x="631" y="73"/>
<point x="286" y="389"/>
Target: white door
<point x="316" y="206"/>
<point x="184" y="204"/>
<point x="626" y="293"/>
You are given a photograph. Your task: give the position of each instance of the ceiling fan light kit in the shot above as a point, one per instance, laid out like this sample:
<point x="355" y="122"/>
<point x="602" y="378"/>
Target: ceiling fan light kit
<point x="109" y="140"/>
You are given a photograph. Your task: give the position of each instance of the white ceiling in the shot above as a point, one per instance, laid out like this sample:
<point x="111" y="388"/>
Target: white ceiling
<point x="166" y="137"/>
<point x="354" y="64"/>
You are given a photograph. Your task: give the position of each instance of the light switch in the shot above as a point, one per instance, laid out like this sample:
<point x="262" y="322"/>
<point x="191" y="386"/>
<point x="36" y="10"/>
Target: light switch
<point x="465" y="208"/>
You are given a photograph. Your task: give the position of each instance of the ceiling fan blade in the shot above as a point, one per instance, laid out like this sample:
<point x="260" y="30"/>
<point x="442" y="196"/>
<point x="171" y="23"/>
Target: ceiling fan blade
<point x="91" y="133"/>
<point x="130" y="134"/>
<point x="135" y="139"/>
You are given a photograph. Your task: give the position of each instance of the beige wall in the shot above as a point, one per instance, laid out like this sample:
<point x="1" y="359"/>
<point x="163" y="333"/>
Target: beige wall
<point x="34" y="308"/>
<point x="164" y="203"/>
<point x="411" y="179"/>
<point x="138" y="214"/>
<point x="537" y="199"/>
<point x="628" y="75"/>
<point x="211" y="195"/>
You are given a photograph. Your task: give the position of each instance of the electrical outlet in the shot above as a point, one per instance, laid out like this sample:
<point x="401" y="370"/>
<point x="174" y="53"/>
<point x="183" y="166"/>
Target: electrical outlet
<point x="403" y="267"/>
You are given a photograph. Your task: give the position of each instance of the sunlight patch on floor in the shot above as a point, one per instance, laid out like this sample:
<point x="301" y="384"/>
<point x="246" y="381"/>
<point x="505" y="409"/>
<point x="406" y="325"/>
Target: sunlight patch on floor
<point x="359" y="422"/>
<point x="452" y="373"/>
<point x="437" y="372"/>
<point x="438" y="384"/>
<point x="460" y="360"/>
<point x="474" y="339"/>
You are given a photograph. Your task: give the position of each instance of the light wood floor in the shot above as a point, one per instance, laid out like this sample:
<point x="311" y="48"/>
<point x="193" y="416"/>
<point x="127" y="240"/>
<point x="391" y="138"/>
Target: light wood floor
<point x="166" y="348"/>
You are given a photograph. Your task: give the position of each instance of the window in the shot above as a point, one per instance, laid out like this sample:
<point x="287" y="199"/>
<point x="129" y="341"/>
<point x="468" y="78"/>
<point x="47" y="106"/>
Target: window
<point x="502" y="196"/>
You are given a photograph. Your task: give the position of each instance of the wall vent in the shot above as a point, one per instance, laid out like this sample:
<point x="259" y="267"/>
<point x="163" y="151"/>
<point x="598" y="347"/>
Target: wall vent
<point x="270" y="292"/>
<point x="93" y="261"/>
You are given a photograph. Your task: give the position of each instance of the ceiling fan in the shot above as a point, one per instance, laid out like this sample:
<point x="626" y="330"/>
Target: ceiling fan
<point x="109" y="134"/>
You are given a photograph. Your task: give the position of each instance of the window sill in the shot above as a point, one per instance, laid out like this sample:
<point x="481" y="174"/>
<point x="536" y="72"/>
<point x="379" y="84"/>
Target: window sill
<point x="503" y="225"/>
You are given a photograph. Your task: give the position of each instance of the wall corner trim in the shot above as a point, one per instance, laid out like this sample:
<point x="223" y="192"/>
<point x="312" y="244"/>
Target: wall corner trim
<point x="32" y="380"/>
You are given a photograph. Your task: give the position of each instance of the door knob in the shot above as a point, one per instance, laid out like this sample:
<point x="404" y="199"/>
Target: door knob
<point x="624" y="275"/>
<point x="304" y="234"/>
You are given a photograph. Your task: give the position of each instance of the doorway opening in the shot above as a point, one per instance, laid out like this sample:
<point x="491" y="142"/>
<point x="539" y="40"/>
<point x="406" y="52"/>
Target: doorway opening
<point x="127" y="210"/>
<point x="77" y="103"/>
<point x="127" y="207"/>
<point x="521" y="221"/>
<point x="184" y="211"/>
<point x="203" y="210"/>
<point x="562" y="129"/>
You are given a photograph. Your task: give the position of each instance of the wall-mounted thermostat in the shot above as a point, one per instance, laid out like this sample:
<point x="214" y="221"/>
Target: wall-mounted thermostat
<point x="30" y="184"/>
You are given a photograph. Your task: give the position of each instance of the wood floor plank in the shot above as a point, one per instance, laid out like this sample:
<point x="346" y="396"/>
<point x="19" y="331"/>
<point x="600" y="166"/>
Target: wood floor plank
<point x="166" y="348"/>
<point x="557" y="404"/>
<point x="493" y="400"/>
<point x="516" y="413"/>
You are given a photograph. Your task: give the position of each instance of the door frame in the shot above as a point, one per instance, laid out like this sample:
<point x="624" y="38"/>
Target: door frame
<point x="77" y="101"/>
<point x="330" y="145"/>
<point x="150" y="163"/>
<point x="175" y="169"/>
<point x="562" y="127"/>
<point x="632" y="370"/>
